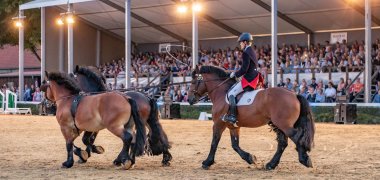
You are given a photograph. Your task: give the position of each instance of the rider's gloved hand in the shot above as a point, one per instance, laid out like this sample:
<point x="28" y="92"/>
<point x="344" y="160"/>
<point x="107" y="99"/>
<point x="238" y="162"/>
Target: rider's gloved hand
<point x="232" y="75"/>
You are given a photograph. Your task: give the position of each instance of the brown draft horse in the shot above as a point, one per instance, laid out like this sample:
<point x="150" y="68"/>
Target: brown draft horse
<point x="287" y="113"/>
<point x="111" y="110"/>
<point x="90" y="80"/>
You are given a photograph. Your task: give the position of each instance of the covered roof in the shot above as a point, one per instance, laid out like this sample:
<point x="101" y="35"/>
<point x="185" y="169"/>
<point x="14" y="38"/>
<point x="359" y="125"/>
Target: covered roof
<point x="9" y="58"/>
<point x="157" y="21"/>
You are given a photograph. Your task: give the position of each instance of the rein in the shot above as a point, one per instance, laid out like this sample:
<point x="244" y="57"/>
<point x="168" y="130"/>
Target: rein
<point x="220" y="84"/>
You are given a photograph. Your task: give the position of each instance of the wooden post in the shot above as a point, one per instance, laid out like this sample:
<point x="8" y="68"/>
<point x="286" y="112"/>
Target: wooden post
<point x="329" y="73"/>
<point x="347" y="74"/>
<point x="312" y="72"/>
<point x="297" y="75"/>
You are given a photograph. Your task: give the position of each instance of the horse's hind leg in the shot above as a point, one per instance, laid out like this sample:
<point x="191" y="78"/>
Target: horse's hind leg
<point x="282" y="140"/>
<point x="94" y="148"/>
<point x="235" y="132"/>
<point x="296" y="135"/>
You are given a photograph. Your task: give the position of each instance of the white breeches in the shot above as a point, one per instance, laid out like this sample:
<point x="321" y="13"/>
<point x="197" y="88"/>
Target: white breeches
<point x="236" y="89"/>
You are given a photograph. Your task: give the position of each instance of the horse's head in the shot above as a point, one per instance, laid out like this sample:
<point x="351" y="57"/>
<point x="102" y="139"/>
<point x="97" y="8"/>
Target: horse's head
<point x="197" y="88"/>
<point x="58" y="84"/>
<point x="90" y="79"/>
<point x="208" y="79"/>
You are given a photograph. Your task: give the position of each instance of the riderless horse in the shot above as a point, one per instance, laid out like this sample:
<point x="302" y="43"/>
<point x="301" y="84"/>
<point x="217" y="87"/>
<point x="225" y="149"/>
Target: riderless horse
<point x="91" y="81"/>
<point x="112" y="110"/>
<point x="287" y="113"/>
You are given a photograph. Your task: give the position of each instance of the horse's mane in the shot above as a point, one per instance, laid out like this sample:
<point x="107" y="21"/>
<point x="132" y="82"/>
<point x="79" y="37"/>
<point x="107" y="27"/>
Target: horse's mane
<point x="66" y="81"/>
<point x="91" y="73"/>
<point x="214" y="70"/>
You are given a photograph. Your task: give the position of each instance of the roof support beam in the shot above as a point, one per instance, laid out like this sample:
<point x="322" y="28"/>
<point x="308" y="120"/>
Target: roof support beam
<point x="361" y="10"/>
<point x="153" y="25"/>
<point x="284" y="17"/>
<point x="218" y="23"/>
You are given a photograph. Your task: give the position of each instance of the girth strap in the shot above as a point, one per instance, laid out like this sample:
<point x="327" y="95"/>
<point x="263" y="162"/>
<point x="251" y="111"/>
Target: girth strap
<point x="74" y="107"/>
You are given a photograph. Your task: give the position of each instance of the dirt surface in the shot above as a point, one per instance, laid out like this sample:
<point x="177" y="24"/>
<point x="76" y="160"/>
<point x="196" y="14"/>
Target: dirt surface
<point x="33" y="147"/>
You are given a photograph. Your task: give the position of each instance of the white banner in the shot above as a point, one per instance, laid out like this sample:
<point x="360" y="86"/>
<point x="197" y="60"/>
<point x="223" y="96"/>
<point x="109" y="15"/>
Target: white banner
<point x="162" y="47"/>
<point x="338" y="37"/>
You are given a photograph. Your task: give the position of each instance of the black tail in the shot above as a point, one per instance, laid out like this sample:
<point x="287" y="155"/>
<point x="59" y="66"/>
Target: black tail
<point x="158" y="140"/>
<point x="305" y="124"/>
<point x="139" y="147"/>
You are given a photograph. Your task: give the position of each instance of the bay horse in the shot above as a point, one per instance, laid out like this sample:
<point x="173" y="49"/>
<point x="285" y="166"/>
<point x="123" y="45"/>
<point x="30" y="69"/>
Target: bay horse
<point x="90" y="80"/>
<point x="112" y="110"/>
<point x="288" y="114"/>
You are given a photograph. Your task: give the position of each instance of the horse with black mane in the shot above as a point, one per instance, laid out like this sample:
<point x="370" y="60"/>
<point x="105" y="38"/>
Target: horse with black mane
<point x="288" y="114"/>
<point x="112" y="110"/>
<point x="91" y="81"/>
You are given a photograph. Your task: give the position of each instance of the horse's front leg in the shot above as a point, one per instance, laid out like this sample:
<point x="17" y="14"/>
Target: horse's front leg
<point x="218" y="128"/>
<point x="235" y="132"/>
<point x="70" y="136"/>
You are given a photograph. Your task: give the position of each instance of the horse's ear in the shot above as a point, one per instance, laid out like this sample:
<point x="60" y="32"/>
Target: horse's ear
<point x="76" y="69"/>
<point x="46" y="75"/>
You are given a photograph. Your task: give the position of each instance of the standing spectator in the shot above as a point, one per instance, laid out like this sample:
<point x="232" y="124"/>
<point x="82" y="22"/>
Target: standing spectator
<point x="376" y="99"/>
<point x="320" y="98"/>
<point x="311" y="95"/>
<point x="330" y="93"/>
<point x="37" y="96"/>
<point x="27" y="94"/>
<point x="313" y="83"/>
<point x="341" y="87"/>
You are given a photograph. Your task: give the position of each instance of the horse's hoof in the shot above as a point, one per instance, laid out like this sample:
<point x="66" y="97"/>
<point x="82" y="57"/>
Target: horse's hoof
<point x="127" y="164"/>
<point x="98" y="149"/>
<point x="67" y="164"/>
<point x="166" y="164"/>
<point x="83" y="155"/>
<point x="205" y="167"/>
<point x="81" y="161"/>
<point x="307" y="163"/>
<point x="251" y="159"/>
<point x="117" y="163"/>
<point x="269" y="167"/>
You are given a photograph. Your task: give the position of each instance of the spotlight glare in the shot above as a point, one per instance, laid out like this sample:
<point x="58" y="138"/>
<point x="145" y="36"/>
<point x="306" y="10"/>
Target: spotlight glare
<point x="18" y="24"/>
<point x="60" y="21"/>
<point x="70" y="20"/>
<point x="182" y="9"/>
<point x="197" y="7"/>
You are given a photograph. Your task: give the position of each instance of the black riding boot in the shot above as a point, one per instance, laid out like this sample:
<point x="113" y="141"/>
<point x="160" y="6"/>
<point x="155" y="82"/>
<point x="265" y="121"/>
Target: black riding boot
<point x="231" y="117"/>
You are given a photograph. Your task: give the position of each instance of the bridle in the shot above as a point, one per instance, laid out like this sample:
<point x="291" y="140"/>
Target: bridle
<point x="199" y="80"/>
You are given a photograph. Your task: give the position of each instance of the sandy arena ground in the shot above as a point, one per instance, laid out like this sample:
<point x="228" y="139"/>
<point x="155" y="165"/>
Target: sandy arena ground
<point x="33" y="147"/>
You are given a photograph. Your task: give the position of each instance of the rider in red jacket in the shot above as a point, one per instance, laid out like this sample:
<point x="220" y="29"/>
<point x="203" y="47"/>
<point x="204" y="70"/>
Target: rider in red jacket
<point x="247" y="71"/>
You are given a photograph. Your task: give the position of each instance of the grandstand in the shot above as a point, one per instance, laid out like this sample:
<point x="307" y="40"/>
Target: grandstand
<point x="322" y="40"/>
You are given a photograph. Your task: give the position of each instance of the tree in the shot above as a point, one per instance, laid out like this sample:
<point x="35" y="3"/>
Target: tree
<point x="8" y="31"/>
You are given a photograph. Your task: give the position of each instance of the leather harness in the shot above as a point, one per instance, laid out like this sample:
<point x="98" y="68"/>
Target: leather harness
<point x="74" y="106"/>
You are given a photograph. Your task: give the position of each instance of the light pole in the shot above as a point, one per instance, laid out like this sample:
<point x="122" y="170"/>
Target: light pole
<point x="68" y="18"/>
<point x="196" y="7"/>
<point x="19" y="23"/>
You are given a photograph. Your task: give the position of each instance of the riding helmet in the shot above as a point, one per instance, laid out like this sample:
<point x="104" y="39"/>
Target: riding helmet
<point x="245" y="37"/>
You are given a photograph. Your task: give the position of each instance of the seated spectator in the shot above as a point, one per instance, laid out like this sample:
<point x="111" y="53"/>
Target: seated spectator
<point x="303" y="92"/>
<point x="356" y="88"/>
<point x="311" y="95"/>
<point x="295" y="87"/>
<point x="376" y="99"/>
<point x="330" y="93"/>
<point x="288" y="84"/>
<point x="281" y="84"/>
<point x="320" y="98"/>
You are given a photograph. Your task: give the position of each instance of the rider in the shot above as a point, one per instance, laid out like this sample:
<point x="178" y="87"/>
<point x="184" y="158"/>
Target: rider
<point x="249" y="73"/>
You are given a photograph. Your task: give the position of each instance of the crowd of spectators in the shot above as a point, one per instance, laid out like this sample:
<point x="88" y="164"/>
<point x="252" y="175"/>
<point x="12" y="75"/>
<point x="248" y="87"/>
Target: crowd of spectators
<point x="31" y="93"/>
<point x="338" y="56"/>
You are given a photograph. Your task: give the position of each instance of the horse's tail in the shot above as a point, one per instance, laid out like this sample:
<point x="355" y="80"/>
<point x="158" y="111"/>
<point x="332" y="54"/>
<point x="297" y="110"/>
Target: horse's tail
<point x="139" y="147"/>
<point x="157" y="139"/>
<point x="305" y="124"/>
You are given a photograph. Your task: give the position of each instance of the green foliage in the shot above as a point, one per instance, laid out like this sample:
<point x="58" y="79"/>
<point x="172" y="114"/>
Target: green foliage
<point x="34" y="108"/>
<point x="32" y="24"/>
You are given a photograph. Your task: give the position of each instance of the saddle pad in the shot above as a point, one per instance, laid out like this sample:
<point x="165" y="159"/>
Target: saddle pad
<point x="247" y="98"/>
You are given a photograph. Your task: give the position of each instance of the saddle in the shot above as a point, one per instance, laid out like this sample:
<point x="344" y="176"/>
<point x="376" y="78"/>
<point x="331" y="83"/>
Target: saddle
<point x="245" y="98"/>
